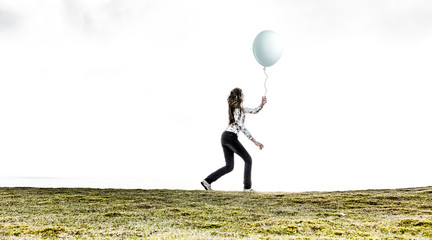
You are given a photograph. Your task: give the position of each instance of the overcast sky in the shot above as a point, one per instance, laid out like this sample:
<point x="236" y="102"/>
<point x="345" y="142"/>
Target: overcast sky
<point x="122" y="88"/>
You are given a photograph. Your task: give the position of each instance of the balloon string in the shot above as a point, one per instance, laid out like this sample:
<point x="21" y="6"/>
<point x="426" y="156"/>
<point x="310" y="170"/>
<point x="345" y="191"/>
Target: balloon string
<point x="265" y="94"/>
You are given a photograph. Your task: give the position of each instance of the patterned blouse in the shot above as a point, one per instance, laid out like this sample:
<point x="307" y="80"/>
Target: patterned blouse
<point x="238" y="124"/>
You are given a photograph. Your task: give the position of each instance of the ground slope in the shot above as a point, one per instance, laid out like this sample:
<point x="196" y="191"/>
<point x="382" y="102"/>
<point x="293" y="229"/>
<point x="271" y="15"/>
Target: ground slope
<point x="133" y="213"/>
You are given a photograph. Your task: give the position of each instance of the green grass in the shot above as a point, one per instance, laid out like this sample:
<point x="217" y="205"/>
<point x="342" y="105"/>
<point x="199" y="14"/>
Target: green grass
<point x="132" y="213"/>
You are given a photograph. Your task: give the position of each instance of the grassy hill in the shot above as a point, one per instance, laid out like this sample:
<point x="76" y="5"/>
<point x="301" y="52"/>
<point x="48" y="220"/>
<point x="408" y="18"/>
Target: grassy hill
<point x="132" y="213"/>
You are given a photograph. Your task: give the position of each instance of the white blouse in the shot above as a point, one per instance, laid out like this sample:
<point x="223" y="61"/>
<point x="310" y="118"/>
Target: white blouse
<point x="238" y="124"/>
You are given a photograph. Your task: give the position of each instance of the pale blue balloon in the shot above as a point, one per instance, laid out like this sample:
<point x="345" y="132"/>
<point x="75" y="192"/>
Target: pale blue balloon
<point x="267" y="48"/>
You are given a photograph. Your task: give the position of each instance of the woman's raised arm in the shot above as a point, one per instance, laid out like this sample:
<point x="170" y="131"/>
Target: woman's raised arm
<point x="257" y="109"/>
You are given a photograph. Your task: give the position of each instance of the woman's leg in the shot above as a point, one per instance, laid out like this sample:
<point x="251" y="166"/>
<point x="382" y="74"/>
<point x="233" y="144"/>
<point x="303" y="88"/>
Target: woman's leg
<point x="238" y="148"/>
<point x="229" y="164"/>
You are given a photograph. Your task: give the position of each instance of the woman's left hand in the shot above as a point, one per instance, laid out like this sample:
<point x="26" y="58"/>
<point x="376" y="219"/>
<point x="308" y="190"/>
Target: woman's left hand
<point x="259" y="145"/>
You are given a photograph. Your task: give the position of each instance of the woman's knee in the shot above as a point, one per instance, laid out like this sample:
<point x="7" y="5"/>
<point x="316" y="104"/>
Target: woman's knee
<point x="248" y="159"/>
<point x="229" y="167"/>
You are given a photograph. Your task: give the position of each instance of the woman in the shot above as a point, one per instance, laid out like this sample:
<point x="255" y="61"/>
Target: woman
<point x="230" y="142"/>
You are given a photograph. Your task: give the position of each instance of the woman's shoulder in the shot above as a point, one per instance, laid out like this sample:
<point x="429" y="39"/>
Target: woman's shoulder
<point x="245" y="109"/>
<point x="237" y="110"/>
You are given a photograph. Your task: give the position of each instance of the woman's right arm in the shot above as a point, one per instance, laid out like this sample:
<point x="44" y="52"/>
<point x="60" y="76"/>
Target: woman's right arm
<point x="257" y="109"/>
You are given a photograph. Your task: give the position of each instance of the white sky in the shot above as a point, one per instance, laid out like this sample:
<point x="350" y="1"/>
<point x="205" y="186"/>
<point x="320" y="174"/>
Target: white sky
<point x="137" y="89"/>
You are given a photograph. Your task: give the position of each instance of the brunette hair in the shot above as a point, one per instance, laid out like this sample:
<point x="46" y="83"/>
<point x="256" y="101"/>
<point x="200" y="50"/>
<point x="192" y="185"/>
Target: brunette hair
<point x="235" y="100"/>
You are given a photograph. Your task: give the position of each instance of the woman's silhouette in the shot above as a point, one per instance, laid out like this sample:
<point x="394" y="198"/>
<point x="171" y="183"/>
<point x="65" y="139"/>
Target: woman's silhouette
<point x="230" y="142"/>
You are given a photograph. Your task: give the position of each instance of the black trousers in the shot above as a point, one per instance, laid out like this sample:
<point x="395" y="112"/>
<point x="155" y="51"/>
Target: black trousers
<point x="231" y="145"/>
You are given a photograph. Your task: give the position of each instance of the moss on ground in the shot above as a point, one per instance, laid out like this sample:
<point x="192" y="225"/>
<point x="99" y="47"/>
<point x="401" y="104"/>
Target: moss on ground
<point x="51" y="213"/>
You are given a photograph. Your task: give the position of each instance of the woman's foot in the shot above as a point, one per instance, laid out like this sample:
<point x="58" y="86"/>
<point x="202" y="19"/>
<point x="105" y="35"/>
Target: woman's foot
<point x="206" y="185"/>
<point x="248" y="190"/>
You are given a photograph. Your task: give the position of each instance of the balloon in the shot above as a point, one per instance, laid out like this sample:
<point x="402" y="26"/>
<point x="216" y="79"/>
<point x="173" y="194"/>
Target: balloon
<point x="267" y="48"/>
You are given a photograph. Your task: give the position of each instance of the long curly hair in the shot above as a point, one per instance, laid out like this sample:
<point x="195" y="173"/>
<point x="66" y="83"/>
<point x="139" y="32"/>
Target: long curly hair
<point x="235" y="100"/>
